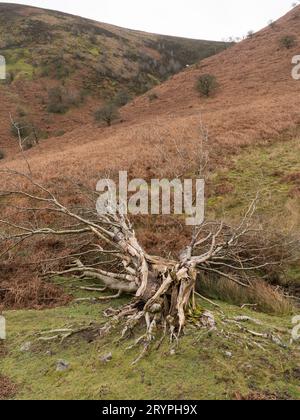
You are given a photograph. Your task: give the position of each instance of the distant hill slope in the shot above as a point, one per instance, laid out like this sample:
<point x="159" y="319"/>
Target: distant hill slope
<point x="257" y="100"/>
<point x="89" y="61"/>
<point x="257" y="97"/>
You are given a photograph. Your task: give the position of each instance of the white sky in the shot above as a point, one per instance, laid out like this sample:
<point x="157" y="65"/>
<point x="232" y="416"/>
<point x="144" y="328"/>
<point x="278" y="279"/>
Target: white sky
<point x="202" y="19"/>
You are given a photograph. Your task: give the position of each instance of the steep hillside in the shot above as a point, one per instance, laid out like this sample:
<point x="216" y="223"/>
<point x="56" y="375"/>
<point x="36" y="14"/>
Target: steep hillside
<point x="86" y="62"/>
<point x="256" y="99"/>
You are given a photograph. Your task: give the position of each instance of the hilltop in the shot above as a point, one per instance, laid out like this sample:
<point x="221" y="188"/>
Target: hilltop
<point x="60" y="67"/>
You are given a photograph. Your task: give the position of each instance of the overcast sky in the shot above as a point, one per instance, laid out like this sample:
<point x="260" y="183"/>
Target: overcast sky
<point x="202" y="19"/>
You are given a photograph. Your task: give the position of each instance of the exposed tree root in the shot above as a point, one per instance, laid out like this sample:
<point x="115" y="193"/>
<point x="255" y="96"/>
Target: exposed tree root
<point x="100" y="298"/>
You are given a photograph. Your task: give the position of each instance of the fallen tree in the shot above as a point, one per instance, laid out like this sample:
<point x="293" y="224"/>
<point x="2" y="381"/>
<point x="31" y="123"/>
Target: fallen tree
<point x="163" y="289"/>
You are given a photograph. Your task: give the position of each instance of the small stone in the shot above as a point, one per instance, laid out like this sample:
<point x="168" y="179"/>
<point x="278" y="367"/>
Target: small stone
<point x="106" y="358"/>
<point x="62" y="366"/>
<point x="172" y="352"/>
<point x="25" y="347"/>
<point x="228" y="354"/>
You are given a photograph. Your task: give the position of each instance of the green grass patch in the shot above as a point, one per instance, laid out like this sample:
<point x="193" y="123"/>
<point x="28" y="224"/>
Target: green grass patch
<point x="259" y="169"/>
<point x="200" y="369"/>
<point x="270" y="171"/>
<point x="94" y="51"/>
<point x="18" y="62"/>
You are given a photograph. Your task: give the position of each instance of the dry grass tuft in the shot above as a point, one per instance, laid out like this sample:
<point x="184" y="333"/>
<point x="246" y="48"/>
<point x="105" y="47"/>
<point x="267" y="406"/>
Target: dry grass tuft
<point x="261" y="396"/>
<point x="263" y="297"/>
<point x="7" y="388"/>
<point x="21" y="288"/>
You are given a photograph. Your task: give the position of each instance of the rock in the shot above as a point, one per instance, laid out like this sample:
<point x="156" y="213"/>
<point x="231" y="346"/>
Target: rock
<point x="172" y="352"/>
<point x="228" y="354"/>
<point x="62" y="366"/>
<point x="25" y="347"/>
<point x="106" y="358"/>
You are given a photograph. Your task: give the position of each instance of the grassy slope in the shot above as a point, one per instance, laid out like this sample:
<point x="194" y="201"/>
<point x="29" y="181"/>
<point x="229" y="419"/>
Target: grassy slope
<point x="264" y="169"/>
<point x="269" y="170"/>
<point x="201" y="368"/>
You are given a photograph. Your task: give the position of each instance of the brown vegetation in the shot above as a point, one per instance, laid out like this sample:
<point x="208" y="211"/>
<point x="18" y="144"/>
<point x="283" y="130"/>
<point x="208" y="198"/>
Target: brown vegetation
<point x="7" y="388"/>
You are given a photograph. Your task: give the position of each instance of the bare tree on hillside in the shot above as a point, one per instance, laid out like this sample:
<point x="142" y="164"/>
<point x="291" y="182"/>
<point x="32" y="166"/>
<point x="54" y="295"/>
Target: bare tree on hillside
<point x="25" y="133"/>
<point x="105" y="248"/>
<point x="163" y="289"/>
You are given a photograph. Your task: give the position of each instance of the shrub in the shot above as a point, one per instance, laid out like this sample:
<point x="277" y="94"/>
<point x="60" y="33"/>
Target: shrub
<point x="27" y="131"/>
<point x="272" y="24"/>
<point x="93" y="39"/>
<point x="72" y="97"/>
<point x="108" y="113"/>
<point x="59" y="133"/>
<point x="24" y="126"/>
<point x="61" y="69"/>
<point x="2" y="154"/>
<point x="122" y="98"/>
<point x="10" y="77"/>
<point x="288" y="41"/>
<point x="153" y="96"/>
<point x="56" y="104"/>
<point x="207" y="84"/>
<point x="21" y="112"/>
<point x="250" y="34"/>
<point x="60" y="99"/>
<point x="56" y="108"/>
<point x="57" y="66"/>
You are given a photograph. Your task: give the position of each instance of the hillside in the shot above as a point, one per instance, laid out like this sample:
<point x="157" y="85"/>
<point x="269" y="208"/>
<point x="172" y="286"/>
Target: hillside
<point x="256" y="100"/>
<point x="86" y="61"/>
